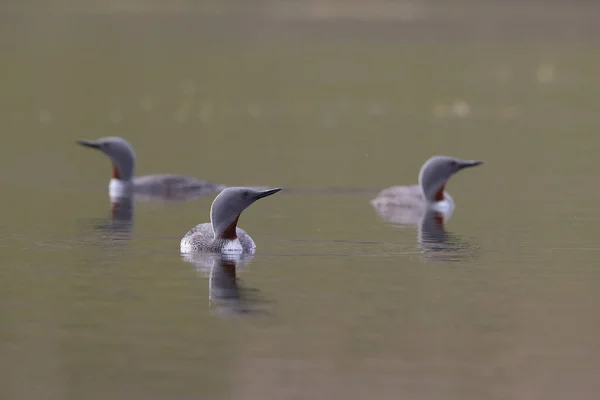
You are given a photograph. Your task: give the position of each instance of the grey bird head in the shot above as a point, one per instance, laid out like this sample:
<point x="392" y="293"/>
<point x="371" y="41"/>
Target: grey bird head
<point x="229" y="204"/>
<point x="436" y="172"/>
<point x="120" y="153"/>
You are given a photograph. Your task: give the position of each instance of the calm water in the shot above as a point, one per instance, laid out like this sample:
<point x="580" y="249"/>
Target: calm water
<point x="337" y="303"/>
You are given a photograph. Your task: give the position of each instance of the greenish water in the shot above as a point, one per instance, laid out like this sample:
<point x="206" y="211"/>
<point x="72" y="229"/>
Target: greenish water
<point x="348" y="306"/>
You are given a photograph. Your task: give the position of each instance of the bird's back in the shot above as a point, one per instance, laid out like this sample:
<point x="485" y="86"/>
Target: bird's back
<point x="173" y="187"/>
<point x="401" y="196"/>
<point x="401" y="204"/>
<point x="407" y="205"/>
<point x="201" y="239"/>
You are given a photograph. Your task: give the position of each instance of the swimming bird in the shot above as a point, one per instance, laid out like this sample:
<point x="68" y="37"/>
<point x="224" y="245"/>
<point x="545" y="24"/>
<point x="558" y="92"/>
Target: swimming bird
<point x="410" y="204"/>
<point x="124" y="184"/>
<point x="222" y="235"/>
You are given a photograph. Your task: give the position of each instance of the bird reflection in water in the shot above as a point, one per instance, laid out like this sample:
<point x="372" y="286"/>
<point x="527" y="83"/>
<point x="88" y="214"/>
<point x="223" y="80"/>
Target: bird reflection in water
<point x="109" y="236"/>
<point x="120" y="220"/>
<point x="434" y="240"/>
<point x="114" y="231"/>
<point x="226" y="297"/>
<point x="439" y="244"/>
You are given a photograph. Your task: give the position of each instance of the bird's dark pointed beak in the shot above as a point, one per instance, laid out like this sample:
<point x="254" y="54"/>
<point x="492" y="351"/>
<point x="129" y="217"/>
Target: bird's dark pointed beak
<point x="266" y="193"/>
<point x="469" y="164"/>
<point x="89" y="143"/>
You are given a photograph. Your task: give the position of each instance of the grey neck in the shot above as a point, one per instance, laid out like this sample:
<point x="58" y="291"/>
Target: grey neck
<point x="221" y="220"/>
<point x="430" y="187"/>
<point x="125" y="166"/>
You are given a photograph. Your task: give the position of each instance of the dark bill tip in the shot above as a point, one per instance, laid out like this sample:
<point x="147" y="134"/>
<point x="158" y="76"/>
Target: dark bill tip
<point x="88" y="143"/>
<point x="268" y="192"/>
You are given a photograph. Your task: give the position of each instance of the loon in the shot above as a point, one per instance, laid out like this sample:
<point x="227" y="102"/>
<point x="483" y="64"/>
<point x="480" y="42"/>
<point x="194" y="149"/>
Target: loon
<point x="124" y="184"/>
<point x="410" y="204"/>
<point x="222" y="235"/>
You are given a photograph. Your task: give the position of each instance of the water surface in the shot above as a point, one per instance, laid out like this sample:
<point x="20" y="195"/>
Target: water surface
<point x="343" y="304"/>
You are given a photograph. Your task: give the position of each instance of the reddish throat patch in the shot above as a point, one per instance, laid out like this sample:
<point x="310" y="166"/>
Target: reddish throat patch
<point x="439" y="196"/>
<point x="115" y="209"/>
<point x="230" y="232"/>
<point x="116" y="174"/>
<point x="229" y="269"/>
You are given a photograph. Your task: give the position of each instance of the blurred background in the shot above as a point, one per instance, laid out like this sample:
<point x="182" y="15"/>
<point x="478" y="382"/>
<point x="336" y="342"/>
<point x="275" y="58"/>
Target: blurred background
<point x="334" y="100"/>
